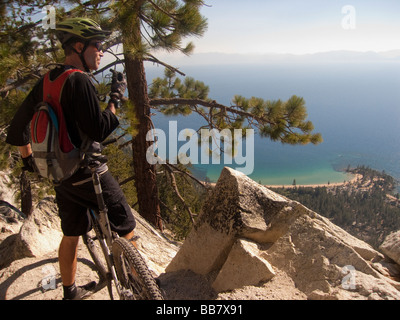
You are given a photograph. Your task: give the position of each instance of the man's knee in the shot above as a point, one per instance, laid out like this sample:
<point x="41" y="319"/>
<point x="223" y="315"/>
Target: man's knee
<point x="69" y="243"/>
<point x="131" y="237"/>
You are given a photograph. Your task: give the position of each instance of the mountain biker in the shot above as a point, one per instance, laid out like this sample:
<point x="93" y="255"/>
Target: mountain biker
<point x="87" y="125"/>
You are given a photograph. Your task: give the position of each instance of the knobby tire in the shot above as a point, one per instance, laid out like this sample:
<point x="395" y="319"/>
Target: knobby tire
<point x="127" y="258"/>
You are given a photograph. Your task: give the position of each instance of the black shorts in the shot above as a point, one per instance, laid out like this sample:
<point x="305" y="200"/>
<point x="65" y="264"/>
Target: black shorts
<point x="74" y="199"/>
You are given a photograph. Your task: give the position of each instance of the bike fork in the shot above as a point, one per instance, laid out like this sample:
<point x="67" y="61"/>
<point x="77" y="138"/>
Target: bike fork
<point x="112" y="274"/>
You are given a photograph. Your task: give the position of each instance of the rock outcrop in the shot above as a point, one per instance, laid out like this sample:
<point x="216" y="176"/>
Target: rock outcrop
<point x="10" y="216"/>
<point x="391" y="246"/>
<point x="39" y="235"/>
<point x="29" y="257"/>
<point x="244" y="267"/>
<point x="244" y="227"/>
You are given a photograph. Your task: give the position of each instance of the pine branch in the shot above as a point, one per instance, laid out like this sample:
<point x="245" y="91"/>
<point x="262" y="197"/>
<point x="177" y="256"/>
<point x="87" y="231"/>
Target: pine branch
<point x="127" y="180"/>
<point x="278" y="127"/>
<point x="169" y="67"/>
<point x="188" y="174"/>
<point x="176" y="190"/>
<point x="112" y="64"/>
<point x="208" y="104"/>
<point x="20" y="82"/>
<point x="172" y="16"/>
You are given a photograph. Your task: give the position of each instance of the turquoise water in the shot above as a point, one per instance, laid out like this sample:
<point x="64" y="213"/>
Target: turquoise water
<point x="356" y="108"/>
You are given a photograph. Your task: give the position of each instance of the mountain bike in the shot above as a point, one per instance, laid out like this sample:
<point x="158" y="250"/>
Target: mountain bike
<point x="118" y="261"/>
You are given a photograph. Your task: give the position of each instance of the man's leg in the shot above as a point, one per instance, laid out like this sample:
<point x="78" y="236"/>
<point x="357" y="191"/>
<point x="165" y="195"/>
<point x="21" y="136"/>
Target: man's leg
<point x="68" y="260"/>
<point x="129" y="236"/>
<point x="67" y="257"/>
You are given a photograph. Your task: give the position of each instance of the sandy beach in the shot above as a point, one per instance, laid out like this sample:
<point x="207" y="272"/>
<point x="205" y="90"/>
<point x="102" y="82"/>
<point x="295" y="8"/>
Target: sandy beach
<point x="355" y="178"/>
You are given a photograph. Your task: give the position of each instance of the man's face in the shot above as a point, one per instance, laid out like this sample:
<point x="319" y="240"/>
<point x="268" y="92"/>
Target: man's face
<point x="93" y="55"/>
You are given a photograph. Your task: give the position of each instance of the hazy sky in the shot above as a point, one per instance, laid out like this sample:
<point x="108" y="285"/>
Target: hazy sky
<point x="300" y="26"/>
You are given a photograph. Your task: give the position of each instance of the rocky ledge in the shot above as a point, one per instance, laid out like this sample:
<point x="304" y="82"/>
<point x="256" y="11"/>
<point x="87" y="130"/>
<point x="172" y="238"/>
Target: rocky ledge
<point x="248" y="243"/>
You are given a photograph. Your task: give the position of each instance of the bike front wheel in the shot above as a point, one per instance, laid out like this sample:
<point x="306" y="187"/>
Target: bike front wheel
<point x="135" y="278"/>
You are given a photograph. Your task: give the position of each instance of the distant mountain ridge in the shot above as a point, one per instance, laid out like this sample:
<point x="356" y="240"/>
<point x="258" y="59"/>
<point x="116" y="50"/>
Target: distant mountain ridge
<point x="218" y="58"/>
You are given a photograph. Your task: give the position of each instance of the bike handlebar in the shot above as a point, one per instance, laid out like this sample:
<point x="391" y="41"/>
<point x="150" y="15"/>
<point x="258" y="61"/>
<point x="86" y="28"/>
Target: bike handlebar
<point x="94" y="160"/>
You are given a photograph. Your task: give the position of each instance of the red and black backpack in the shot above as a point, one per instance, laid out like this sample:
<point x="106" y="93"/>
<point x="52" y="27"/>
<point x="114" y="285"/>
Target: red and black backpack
<point x="54" y="154"/>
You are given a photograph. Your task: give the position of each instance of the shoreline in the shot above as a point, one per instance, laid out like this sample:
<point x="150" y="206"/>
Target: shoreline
<point x="356" y="178"/>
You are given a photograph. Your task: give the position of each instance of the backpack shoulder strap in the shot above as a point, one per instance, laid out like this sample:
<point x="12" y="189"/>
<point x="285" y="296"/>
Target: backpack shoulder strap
<point x="52" y="90"/>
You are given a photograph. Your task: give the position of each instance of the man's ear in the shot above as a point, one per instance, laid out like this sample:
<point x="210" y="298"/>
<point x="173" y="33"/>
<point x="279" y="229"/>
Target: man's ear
<point x="78" y="46"/>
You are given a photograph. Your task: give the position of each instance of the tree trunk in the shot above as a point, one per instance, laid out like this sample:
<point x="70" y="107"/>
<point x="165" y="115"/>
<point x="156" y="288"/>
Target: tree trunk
<point x="145" y="173"/>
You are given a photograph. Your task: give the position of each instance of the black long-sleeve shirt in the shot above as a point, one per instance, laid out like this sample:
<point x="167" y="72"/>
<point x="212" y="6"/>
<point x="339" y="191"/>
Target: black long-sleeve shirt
<point x="81" y="110"/>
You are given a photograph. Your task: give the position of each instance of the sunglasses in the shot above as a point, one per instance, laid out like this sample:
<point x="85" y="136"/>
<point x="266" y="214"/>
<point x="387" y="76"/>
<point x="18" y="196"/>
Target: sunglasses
<point x="98" y="45"/>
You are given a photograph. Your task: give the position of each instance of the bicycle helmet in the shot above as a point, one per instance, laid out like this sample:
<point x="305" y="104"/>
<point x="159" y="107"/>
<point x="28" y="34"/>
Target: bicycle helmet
<point x="81" y="29"/>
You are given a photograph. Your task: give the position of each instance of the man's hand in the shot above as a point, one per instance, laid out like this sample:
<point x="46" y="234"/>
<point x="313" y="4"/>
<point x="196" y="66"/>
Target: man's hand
<point x="29" y="164"/>
<point x="118" y="84"/>
<point x="27" y="158"/>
